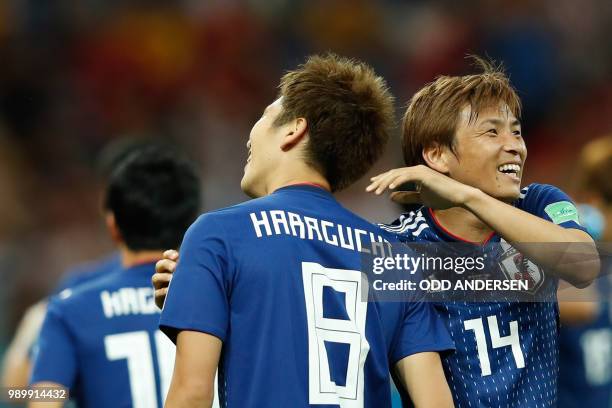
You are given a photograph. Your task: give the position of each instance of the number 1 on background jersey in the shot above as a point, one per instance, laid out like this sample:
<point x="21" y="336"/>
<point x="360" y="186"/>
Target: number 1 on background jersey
<point x="135" y="347"/>
<point x="512" y="340"/>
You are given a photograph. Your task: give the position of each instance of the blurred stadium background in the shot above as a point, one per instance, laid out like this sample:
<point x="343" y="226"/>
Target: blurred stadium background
<point x="77" y="74"/>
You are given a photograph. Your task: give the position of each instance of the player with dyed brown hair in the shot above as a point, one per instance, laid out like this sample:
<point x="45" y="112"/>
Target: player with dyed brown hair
<point x="463" y="143"/>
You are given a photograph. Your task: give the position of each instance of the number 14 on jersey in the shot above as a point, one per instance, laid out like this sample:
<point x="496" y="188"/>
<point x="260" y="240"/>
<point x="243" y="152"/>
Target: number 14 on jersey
<point x="512" y="340"/>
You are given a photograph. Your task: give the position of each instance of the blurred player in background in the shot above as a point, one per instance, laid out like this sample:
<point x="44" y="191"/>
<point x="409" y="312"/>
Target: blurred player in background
<point x="100" y="339"/>
<point x="585" y="375"/>
<point x="17" y="364"/>
<point x="462" y="140"/>
<point x="270" y="290"/>
<point x="16" y="368"/>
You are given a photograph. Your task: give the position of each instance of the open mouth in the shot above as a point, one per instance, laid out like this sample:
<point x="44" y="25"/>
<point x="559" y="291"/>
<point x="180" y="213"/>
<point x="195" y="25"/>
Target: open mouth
<point x="511" y="170"/>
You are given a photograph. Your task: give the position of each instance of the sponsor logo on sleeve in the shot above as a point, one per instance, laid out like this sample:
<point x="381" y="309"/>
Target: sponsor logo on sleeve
<point x="561" y="212"/>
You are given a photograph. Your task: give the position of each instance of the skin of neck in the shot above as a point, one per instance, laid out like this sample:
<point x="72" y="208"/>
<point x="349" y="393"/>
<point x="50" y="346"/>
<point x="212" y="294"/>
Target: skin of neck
<point x="463" y="223"/>
<point x="131" y="258"/>
<point x="294" y="170"/>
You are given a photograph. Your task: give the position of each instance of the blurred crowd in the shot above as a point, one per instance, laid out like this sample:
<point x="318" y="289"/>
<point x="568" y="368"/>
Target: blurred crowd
<point x="78" y="74"/>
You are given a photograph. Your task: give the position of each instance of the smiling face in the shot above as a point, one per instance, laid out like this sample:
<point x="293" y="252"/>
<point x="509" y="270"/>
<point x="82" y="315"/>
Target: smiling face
<point x="263" y="152"/>
<point x="490" y="152"/>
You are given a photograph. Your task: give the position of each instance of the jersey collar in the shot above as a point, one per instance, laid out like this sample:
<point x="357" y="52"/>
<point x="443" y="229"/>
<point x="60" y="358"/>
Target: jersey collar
<point x="143" y="267"/>
<point x="433" y="222"/>
<point x="307" y="187"/>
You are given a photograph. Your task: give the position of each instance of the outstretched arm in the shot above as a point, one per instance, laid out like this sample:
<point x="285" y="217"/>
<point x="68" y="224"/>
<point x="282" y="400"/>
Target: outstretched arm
<point x="578" y="265"/>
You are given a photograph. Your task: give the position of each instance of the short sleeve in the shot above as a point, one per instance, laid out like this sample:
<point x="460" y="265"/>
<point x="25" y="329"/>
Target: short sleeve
<point x="55" y="357"/>
<point x="197" y="298"/>
<point x="421" y="330"/>
<point x="552" y="204"/>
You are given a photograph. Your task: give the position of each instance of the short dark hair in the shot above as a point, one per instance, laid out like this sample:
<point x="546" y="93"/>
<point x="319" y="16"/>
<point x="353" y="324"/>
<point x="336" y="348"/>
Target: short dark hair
<point x="433" y="112"/>
<point x="116" y="151"/>
<point x="349" y="114"/>
<point x="154" y="194"/>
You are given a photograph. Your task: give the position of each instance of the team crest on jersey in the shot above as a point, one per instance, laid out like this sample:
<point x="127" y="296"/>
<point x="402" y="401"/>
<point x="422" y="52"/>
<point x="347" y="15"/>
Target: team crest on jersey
<point x="516" y="266"/>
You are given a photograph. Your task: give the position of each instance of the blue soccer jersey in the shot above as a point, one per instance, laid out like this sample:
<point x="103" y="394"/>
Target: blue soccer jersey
<point x="101" y="341"/>
<point x="585" y="373"/>
<point x="81" y="274"/>
<point x="278" y="280"/>
<point x="88" y="271"/>
<point x="507" y="352"/>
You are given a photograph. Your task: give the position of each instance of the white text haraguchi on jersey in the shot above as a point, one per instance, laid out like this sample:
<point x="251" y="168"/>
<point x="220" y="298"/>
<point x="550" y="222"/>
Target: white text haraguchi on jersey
<point x="279" y="222"/>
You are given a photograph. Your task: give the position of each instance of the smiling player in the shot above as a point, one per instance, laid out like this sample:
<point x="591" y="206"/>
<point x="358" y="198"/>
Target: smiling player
<point x="463" y="142"/>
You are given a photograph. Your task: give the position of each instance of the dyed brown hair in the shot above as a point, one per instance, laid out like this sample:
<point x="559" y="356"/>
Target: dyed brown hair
<point x="595" y="167"/>
<point x="349" y="114"/>
<point x="433" y="112"/>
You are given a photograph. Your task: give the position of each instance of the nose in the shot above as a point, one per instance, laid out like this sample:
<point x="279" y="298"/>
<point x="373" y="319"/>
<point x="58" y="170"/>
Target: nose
<point x="515" y="145"/>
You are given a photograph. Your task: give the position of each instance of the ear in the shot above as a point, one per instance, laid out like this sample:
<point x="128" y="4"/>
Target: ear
<point x="296" y="130"/>
<point x="113" y="228"/>
<point x="436" y="156"/>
